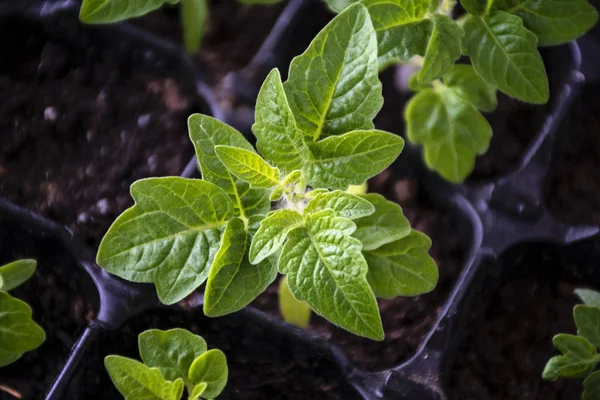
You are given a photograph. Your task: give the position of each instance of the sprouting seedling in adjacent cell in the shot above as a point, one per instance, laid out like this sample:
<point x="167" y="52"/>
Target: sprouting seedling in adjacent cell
<point x="580" y="352"/>
<point x="172" y="361"/>
<point x="194" y="14"/>
<point x="501" y="38"/>
<point x="284" y="208"/>
<point x="18" y="332"/>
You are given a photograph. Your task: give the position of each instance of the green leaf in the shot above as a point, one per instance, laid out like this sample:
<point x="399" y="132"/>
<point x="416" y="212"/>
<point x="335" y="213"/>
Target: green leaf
<point x="505" y="54"/>
<point x="206" y="133"/>
<point x="194" y="17"/>
<point x="344" y="204"/>
<point x="233" y="282"/>
<point x="477" y="7"/>
<point x="106" y="11"/>
<point x="172" y="351"/>
<point x="248" y="166"/>
<point x="15" y="273"/>
<point x="553" y="21"/>
<point x="402" y="268"/>
<point x="415" y="85"/>
<point x="402" y="26"/>
<point x="338" y="6"/>
<point x="18" y="333"/>
<point x="294" y="312"/>
<point x="578" y="356"/>
<point x="471" y="87"/>
<point x="443" y="49"/>
<point x="272" y="233"/>
<point x="387" y="224"/>
<point x="591" y="387"/>
<point x="333" y="87"/>
<point x="210" y="368"/>
<point x="451" y="130"/>
<point x="589" y="297"/>
<point x="278" y="138"/>
<point x="587" y="319"/>
<point x="325" y="268"/>
<point x="136" y="381"/>
<point x="169" y="237"/>
<point x="352" y="158"/>
<point x="198" y="391"/>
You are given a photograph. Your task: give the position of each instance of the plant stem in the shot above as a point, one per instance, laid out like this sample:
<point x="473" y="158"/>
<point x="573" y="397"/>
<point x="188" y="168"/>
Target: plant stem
<point x="11" y="391"/>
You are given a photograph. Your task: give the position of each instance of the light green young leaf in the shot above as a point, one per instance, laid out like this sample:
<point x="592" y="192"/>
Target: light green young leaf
<point x="443" y="49"/>
<point x="325" y="268"/>
<point x="210" y="368"/>
<point x="402" y="27"/>
<point x="589" y="297"/>
<point x="451" y="130"/>
<point x="402" y="268"/>
<point x="470" y="86"/>
<point x="248" y="166"/>
<point x="387" y="224"/>
<point x="591" y="387"/>
<point x="206" y="133"/>
<point x="169" y="237"/>
<point x="294" y="311"/>
<point x="233" y="282"/>
<point x="194" y="17"/>
<point x="415" y="85"/>
<point x="333" y="87"/>
<point x="272" y="233"/>
<point x="505" y="54"/>
<point x="344" y="204"/>
<point x="352" y="158"/>
<point x="587" y="319"/>
<point x="553" y="21"/>
<point x="135" y="381"/>
<point x="198" y="391"/>
<point x="578" y="356"/>
<point x="15" y="273"/>
<point x="477" y="7"/>
<point x="172" y="352"/>
<point x="18" y="333"/>
<point x="106" y="11"/>
<point x="278" y="138"/>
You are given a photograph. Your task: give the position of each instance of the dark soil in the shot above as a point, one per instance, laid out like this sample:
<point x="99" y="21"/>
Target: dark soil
<point x="78" y="127"/>
<point x="406" y="320"/>
<point x="263" y="364"/>
<point x="63" y="299"/>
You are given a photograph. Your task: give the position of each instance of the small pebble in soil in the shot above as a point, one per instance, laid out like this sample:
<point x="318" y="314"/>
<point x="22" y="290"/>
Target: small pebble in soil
<point x="103" y="206"/>
<point x="50" y="114"/>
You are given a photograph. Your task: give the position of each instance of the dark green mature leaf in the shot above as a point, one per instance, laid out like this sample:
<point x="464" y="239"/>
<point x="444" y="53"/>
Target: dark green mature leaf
<point x="469" y="85"/>
<point x="294" y="311"/>
<point x="105" y="11"/>
<point x="272" y="233"/>
<point x="352" y="158"/>
<point x="194" y="17"/>
<point x="452" y="131"/>
<point x="402" y="268"/>
<point x="553" y="21"/>
<point x="278" y="137"/>
<point x="342" y="203"/>
<point x="169" y="237"/>
<point x="333" y="87"/>
<point x="591" y="387"/>
<point x="579" y="355"/>
<point x="443" y="49"/>
<point x="587" y="319"/>
<point x="15" y="273"/>
<point x="387" y="224"/>
<point x="589" y="297"/>
<point x="206" y="133"/>
<point x="477" y="7"/>
<point x="172" y="352"/>
<point x="233" y="282"/>
<point x="248" y="166"/>
<point x="325" y="268"/>
<point x="135" y="381"/>
<point x="505" y="54"/>
<point x="18" y="333"/>
<point x="210" y="368"/>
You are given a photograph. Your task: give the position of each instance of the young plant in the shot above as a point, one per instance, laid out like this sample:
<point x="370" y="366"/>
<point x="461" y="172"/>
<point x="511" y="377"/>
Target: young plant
<point x="193" y="14"/>
<point x="172" y="360"/>
<point x="18" y="333"/>
<point x="580" y="352"/>
<point x="250" y="217"/>
<point x="501" y="37"/>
